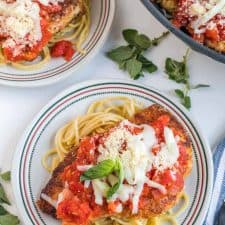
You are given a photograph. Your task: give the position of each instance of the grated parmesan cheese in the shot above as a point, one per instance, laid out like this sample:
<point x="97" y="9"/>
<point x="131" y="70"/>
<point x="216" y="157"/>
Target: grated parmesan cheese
<point x="137" y="159"/>
<point x="20" y="23"/>
<point x="204" y="11"/>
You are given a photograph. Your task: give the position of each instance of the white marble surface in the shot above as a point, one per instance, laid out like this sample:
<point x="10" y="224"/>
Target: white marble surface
<point x="18" y="106"/>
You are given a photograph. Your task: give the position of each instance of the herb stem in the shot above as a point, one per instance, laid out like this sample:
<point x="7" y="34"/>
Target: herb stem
<point x="157" y="40"/>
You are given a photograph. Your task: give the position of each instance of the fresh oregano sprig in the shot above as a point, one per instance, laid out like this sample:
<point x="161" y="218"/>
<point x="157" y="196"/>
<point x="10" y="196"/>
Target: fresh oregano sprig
<point x="178" y="71"/>
<point x="6" y="218"/>
<point x="130" y="57"/>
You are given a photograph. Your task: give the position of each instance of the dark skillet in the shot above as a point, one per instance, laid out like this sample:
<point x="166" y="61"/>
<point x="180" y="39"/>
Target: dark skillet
<point x="160" y="15"/>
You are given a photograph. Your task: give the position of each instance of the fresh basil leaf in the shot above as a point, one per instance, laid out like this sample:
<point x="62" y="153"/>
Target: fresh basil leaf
<point x="120" y="54"/>
<point x="179" y="93"/>
<point x="157" y="40"/>
<point x="187" y="102"/>
<point x="129" y="35"/>
<point x="200" y="86"/>
<point x="176" y="71"/>
<point x="133" y="67"/>
<point x="6" y="176"/>
<point x="119" y="172"/>
<point x="142" y="41"/>
<point x="3" y="197"/>
<point x="9" y="219"/>
<point x="112" y="190"/>
<point x="2" y="210"/>
<point x="101" y="170"/>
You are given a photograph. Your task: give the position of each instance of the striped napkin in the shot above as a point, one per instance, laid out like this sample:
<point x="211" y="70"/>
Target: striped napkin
<point x="218" y="195"/>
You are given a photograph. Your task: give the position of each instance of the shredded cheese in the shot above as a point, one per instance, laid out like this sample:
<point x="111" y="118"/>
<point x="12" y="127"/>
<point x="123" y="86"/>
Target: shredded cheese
<point x="49" y="200"/>
<point x="20" y="23"/>
<point x="134" y="152"/>
<point x="53" y="2"/>
<point x="204" y="11"/>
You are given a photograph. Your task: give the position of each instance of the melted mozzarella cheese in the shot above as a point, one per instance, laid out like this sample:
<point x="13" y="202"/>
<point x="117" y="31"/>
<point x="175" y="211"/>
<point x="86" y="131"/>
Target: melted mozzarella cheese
<point x="100" y="189"/>
<point x="137" y="159"/>
<point x="84" y="167"/>
<point x="53" y="2"/>
<point x="20" y="22"/>
<point x="49" y="200"/>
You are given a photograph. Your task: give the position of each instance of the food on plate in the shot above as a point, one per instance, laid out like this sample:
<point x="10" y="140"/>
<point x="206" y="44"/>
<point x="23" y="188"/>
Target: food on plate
<point x="122" y="170"/>
<point x="33" y="31"/>
<point x="204" y="20"/>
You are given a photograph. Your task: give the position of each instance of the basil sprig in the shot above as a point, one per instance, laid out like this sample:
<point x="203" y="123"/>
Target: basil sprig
<point x="178" y="71"/>
<point x="103" y="169"/>
<point x="130" y="58"/>
<point x="119" y="172"/>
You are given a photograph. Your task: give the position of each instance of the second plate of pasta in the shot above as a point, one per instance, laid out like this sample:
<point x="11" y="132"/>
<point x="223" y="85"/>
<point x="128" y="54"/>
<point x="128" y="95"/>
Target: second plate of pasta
<point x="91" y="108"/>
<point x="60" y="51"/>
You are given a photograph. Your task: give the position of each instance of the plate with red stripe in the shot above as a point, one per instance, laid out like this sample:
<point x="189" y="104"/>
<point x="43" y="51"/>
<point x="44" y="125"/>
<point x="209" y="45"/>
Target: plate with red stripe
<point x="29" y="176"/>
<point x="57" y="69"/>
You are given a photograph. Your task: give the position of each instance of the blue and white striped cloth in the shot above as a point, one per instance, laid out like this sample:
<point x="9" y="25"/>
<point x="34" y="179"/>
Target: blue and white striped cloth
<point x="218" y="195"/>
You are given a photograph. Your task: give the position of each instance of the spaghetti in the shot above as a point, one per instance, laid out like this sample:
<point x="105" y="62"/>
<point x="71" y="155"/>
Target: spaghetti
<point x="100" y="117"/>
<point x="76" y="32"/>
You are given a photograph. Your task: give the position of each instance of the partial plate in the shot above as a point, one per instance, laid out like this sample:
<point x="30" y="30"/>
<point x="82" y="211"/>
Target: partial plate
<point x="159" y="14"/>
<point x="29" y="177"/>
<point x="102" y="14"/>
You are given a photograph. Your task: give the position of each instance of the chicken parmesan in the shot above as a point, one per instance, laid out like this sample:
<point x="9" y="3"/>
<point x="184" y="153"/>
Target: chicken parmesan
<point x="34" y="30"/>
<point x="204" y="20"/>
<point x="132" y="171"/>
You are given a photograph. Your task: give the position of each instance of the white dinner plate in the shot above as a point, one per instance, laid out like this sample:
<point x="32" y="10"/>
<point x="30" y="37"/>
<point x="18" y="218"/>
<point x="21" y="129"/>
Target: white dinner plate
<point x="29" y="177"/>
<point x="102" y="14"/>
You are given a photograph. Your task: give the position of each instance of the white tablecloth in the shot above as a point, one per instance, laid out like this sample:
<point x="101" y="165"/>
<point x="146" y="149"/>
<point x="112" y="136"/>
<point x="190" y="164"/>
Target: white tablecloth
<point x="18" y="106"/>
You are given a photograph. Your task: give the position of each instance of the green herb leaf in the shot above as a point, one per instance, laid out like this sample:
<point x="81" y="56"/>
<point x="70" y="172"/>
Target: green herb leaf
<point x="122" y="65"/>
<point x="9" y="219"/>
<point x="143" y="41"/>
<point x="147" y="65"/>
<point x="177" y="71"/>
<point x="130" y="58"/>
<point x="119" y="171"/>
<point x="133" y="67"/>
<point x="157" y="40"/>
<point x="101" y="170"/>
<point x="2" y="210"/>
<point x="187" y="102"/>
<point x="3" y="197"/>
<point x="138" y="76"/>
<point x="112" y="190"/>
<point x="120" y="54"/>
<point x="129" y="35"/>
<point x="6" y="176"/>
<point x="179" y="93"/>
<point x="200" y="86"/>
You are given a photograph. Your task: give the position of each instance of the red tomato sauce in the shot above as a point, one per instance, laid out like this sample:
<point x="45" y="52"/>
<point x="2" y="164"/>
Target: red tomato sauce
<point x="30" y="53"/>
<point x="183" y="19"/>
<point x="60" y="49"/>
<point x="79" y="206"/>
<point x="63" y="49"/>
